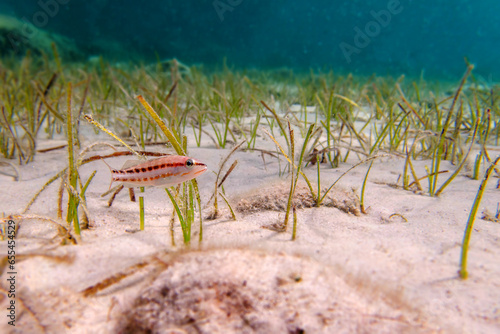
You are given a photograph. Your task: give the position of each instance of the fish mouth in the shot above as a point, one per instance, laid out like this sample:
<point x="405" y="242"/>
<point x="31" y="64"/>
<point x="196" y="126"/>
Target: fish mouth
<point x="202" y="168"/>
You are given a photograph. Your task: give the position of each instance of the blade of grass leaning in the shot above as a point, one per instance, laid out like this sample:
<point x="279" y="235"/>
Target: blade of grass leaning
<point x="362" y="197"/>
<point x="462" y="164"/>
<point x="291" y="163"/>
<point x="57" y="60"/>
<point x="318" y="173"/>
<point x="439" y="148"/>
<point x="87" y="183"/>
<point x="60" y="195"/>
<point x="275" y="115"/>
<point x="101" y="127"/>
<point x="198" y="200"/>
<point x="347" y="100"/>
<point x="72" y="214"/>
<point x="80" y="201"/>
<point x="14" y="168"/>
<point x="477" y="166"/>
<point x="47" y="104"/>
<point x="171" y="138"/>
<point x="233" y="215"/>
<point x="327" y="123"/>
<point x="405" y="170"/>
<point x="380" y="138"/>
<point x="141" y="210"/>
<point x="48" y="183"/>
<point x="189" y="206"/>
<point x="295" y="176"/>
<point x="408" y="163"/>
<point x="409" y="105"/>
<point x="185" y="234"/>
<point x="290" y="194"/>
<point x="231" y="168"/>
<point x="294" y="228"/>
<point x="15" y="139"/>
<point x="172" y="234"/>
<point x="218" y="183"/>
<point x="472" y="216"/>
<point x="346" y="172"/>
<point x="86" y="216"/>
<point x="415" y="177"/>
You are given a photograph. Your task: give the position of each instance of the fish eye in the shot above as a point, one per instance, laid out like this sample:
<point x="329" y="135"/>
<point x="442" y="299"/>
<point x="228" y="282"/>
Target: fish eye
<point x="189" y="163"/>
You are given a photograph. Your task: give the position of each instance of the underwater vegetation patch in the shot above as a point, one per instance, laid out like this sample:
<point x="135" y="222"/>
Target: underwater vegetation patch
<point x="312" y="119"/>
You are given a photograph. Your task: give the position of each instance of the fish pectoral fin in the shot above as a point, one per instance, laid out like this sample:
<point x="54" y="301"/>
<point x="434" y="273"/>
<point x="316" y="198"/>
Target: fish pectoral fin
<point x="110" y="183"/>
<point x="110" y="169"/>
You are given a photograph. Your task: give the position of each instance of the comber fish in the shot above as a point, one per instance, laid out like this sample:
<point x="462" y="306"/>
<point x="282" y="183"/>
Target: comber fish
<point x="163" y="172"/>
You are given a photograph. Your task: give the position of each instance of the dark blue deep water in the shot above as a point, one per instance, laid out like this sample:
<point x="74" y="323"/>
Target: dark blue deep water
<point x="411" y="37"/>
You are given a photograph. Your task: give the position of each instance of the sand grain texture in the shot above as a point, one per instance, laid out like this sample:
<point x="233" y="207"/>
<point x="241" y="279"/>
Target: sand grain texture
<point x="345" y="272"/>
<point x="244" y="291"/>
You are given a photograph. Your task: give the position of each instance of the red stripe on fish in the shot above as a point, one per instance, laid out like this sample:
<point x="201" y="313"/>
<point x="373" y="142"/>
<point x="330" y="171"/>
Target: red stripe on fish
<point x="165" y="171"/>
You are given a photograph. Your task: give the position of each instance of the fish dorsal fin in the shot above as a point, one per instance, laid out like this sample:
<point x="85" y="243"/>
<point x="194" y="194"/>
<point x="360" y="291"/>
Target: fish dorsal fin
<point x="132" y="163"/>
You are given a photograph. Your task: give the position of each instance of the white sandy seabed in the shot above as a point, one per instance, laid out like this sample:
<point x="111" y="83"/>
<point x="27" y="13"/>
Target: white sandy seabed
<point x="345" y="273"/>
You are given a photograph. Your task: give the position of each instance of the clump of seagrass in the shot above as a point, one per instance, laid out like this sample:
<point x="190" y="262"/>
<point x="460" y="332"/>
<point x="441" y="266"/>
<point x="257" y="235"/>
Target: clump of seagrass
<point x="245" y="291"/>
<point x="275" y="198"/>
<point x="219" y="180"/>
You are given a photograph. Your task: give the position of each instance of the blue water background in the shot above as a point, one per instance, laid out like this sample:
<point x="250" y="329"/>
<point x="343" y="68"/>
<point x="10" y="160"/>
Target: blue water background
<point x="420" y="37"/>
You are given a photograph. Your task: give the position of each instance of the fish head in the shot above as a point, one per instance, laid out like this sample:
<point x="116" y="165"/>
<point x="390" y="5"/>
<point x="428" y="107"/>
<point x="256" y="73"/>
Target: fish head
<point x="194" y="167"/>
<point x="187" y="168"/>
